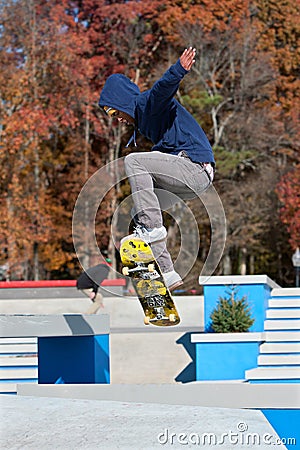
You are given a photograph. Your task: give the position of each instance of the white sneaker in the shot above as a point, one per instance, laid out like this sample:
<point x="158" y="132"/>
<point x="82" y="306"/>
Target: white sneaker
<point x="172" y="279"/>
<point x="149" y="236"/>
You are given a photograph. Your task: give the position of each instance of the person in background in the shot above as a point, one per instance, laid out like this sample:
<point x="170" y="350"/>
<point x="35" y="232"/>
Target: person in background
<point x="89" y="281"/>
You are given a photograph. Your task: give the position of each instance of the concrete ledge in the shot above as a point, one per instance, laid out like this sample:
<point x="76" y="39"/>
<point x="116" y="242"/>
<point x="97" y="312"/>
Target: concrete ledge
<point x="279" y="360"/>
<point x="280" y="313"/>
<point x="58" y="325"/>
<point x="58" y="291"/>
<point x="275" y="373"/>
<point x="23" y="374"/>
<point x="282" y="336"/>
<point x="16" y="361"/>
<point x="238" y="279"/>
<point x="55" y="283"/>
<point x="220" y="394"/>
<point x="55" y="289"/>
<point x="280" y="347"/>
<point x="286" y="292"/>
<point x="227" y="337"/>
<point x="284" y="302"/>
<point x="284" y="325"/>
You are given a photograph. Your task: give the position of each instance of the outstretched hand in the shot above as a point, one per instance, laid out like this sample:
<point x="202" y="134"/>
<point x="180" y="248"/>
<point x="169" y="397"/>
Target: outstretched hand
<point x="187" y="58"/>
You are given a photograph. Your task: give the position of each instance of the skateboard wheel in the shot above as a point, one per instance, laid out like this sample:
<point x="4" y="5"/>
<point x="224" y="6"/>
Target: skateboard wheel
<point x="146" y="320"/>
<point x="151" y="267"/>
<point x="125" y="271"/>
<point x="172" y="317"/>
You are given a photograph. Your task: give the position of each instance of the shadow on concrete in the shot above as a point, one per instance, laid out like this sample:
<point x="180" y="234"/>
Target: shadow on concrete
<point x="78" y="325"/>
<point x="189" y="372"/>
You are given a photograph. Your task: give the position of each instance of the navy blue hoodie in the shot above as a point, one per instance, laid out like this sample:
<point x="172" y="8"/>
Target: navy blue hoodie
<point x="158" y="116"/>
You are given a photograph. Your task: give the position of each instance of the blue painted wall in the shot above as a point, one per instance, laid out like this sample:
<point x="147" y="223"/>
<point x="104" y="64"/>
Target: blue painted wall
<point x="74" y="359"/>
<point x="225" y="360"/>
<point x="286" y="423"/>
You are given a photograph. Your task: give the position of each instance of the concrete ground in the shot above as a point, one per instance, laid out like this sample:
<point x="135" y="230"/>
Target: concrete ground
<point x="67" y="424"/>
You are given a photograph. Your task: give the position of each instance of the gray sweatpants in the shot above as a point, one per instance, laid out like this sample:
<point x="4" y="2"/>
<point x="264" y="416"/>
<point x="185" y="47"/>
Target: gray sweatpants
<point x="152" y="175"/>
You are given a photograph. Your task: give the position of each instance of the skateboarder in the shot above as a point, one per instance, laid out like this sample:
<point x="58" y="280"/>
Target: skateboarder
<point x="181" y="160"/>
<point x="89" y="282"/>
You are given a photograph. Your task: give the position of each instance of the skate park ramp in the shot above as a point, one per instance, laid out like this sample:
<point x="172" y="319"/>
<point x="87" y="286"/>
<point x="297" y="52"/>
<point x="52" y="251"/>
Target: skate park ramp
<point x="139" y="354"/>
<point x="63" y="424"/>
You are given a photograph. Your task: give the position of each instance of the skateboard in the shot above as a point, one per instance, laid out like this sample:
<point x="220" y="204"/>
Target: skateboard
<point x="140" y="264"/>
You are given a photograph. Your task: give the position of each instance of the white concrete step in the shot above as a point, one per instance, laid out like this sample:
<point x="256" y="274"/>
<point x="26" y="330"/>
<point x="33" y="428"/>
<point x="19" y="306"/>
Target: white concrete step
<point x="282" y="336"/>
<point x="279" y="360"/>
<point x="223" y="394"/>
<point x="18" y="348"/>
<point x="19" y="374"/>
<point x="18" y="340"/>
<point x="285" y="292"/>
<point x="282" y="313"/>
<point x="281" y="302"/>
<point x="279" y="347"/>
<point x="7" y="388"/>
<point x="273" y="373"/>
<point x="20" y="361"/>
<point x="275" y="324"/>
<point x="11" y="387"/>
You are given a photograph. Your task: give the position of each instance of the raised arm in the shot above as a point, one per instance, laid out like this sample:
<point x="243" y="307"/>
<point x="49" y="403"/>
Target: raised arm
<point x="165" y="88"/>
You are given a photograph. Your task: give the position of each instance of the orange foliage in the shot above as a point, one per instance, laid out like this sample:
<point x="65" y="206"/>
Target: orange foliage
<point x="289" y="194"/>
<point x="53" y="67"/>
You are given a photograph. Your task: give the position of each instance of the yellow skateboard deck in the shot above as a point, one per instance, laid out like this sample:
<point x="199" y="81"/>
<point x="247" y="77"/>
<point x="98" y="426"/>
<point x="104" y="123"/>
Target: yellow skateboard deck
<point x="155" y="298"/>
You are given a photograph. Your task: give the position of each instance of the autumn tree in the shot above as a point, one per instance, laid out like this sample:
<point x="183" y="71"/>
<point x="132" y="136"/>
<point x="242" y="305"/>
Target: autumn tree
<point x="38" y="130"/>
<point x="289" y="195"/>
<point x="243" y="90"/>
<point x="234" y="95"/>
<point x="280" y="32"/>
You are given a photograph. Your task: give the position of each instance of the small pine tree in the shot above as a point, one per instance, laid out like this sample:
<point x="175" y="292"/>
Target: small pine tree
<point x="231" y="315"/>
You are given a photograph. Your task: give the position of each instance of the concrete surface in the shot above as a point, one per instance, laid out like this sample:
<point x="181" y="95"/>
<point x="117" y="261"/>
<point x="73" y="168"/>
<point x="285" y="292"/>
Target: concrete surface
<point x="63" y="424"/>
<point x="54" y="292"/>
<point x="156" y="357"/>
<point x="219" y="395"/>
<point x="226" y="280"/>
<point x="29" y="325"/>
<point x="125" y="312"/>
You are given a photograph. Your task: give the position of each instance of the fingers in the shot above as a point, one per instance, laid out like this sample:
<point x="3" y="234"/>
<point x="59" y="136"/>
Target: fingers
<point x="189" y="52"/>
<point x="187" y="58"/>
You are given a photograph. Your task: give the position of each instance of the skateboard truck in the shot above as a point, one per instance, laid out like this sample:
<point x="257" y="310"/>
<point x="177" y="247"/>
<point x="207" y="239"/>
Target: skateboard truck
<point x="149" y="271"/>
<point x="160" y="315"/>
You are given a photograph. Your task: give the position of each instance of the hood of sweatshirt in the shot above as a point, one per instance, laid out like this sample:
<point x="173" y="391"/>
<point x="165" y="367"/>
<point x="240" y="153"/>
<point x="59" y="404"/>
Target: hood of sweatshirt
<point x="119" y="93"/>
